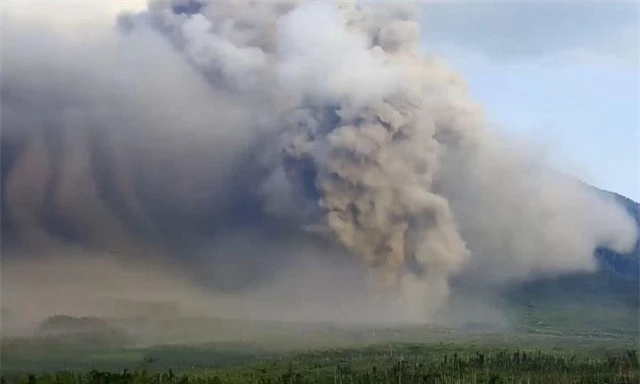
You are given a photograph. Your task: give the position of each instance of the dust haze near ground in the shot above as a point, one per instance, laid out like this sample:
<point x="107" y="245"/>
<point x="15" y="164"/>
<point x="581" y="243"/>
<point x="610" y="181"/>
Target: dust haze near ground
<point x="284" y="160"/>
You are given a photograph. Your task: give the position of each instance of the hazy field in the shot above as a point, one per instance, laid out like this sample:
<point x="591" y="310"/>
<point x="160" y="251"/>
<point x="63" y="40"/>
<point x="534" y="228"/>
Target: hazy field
<point x="591" y="331"/>
<point x="331" y="354"/>
<point x="206" y="344"/>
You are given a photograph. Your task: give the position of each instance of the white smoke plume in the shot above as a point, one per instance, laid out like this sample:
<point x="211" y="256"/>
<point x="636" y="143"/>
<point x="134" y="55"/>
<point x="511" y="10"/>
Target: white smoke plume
<point x="329" y="114"/>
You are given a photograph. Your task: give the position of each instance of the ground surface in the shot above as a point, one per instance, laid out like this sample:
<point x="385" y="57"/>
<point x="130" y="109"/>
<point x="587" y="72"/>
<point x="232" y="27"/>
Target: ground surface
<point x="549" y="335"/>
<point x="333" y="354"/>
<point x="388" y="363"/>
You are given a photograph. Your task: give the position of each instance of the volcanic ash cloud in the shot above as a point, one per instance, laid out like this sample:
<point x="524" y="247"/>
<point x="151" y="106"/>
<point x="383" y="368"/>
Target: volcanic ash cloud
<point x="362" y="139"/>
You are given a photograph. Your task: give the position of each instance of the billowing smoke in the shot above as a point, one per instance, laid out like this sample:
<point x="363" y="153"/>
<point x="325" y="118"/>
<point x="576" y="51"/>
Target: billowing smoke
<point x="286" y="126"/>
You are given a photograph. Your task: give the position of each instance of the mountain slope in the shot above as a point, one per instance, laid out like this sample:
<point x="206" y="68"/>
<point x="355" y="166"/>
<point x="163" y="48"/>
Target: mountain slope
<point x="602" y="303"/>
<point x="617" y="277"/>
<point x="623" y="265"/>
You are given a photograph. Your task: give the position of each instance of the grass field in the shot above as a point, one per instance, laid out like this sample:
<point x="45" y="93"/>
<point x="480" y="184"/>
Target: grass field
<point x="390" y="363"/>
<point x="546" y="341"/>
<point x="335" y="355"/>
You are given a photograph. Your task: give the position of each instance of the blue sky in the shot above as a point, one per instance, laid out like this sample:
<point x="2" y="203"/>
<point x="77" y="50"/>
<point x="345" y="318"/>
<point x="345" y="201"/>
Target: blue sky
<point x="564" y="75"/>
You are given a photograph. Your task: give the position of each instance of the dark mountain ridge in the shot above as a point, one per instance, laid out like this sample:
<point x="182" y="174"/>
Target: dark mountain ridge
<point x="623" y="265"/>
<point x="607" y="300"/>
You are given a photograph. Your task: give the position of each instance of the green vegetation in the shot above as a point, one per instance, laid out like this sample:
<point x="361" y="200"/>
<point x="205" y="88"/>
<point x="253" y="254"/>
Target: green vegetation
<point x="550" y="346"/>
<point x="391" y="363"/>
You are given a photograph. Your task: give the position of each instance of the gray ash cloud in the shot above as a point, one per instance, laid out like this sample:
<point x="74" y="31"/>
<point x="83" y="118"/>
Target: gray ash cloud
<point x="210" y="134"/>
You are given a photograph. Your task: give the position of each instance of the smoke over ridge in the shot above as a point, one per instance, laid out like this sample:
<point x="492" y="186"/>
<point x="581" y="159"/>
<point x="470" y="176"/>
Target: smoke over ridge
<point x="215" y="133"/>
